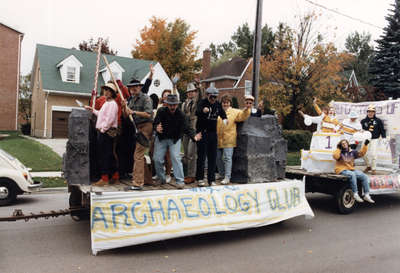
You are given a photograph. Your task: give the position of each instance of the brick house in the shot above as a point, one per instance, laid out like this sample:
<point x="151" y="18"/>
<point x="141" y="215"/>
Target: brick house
<point x="10" y="57"/>
<point x="60" y="76"/>
<point x="233" y="77"/>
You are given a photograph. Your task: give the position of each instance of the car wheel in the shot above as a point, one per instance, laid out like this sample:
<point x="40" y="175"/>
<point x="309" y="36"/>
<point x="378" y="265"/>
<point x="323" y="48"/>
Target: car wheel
<point x="345" y="200"/>
<point x="8" y="193"/>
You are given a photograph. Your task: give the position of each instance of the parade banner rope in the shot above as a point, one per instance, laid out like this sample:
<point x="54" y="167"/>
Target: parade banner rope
<point x="121" y="219"/>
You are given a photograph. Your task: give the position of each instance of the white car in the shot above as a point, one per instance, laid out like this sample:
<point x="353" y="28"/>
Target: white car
<point x="15" y="179"/>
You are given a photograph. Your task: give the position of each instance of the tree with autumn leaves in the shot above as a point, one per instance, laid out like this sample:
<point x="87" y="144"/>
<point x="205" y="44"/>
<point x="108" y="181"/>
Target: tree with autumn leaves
<point x="171" y="44"/>
<point x="299" y="66"/>
<point x="302" y="66"/>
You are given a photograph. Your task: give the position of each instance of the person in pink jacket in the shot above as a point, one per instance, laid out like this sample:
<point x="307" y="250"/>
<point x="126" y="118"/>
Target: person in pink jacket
<point x="106" y="125"/>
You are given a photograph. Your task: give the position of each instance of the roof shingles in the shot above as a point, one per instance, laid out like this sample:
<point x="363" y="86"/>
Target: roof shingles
<point x="233" y="67"/>
<point x="50" y="56"/>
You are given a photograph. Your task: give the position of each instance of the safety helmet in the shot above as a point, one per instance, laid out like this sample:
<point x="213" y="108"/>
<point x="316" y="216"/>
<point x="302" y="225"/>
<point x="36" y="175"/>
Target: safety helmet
<point x="212" y="91"/>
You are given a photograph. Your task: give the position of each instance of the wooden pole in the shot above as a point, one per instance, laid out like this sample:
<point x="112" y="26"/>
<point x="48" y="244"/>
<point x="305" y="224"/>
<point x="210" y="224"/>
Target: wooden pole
<point x="96" y="73"/>
<point x="115" y="83"/>
<point x="257" y="52"/>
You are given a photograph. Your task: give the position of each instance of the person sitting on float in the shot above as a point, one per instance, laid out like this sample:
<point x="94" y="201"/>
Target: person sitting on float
<point x="345" y="157"/>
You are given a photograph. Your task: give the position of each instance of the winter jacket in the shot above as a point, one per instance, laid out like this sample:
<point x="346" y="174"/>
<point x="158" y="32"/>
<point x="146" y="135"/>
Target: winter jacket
<point x="207" y="122"/>
<point x="345" y="159"/>
<point x="227" y="133"/>
<point x="174" y="124"/>
<point x="375" y="126"/>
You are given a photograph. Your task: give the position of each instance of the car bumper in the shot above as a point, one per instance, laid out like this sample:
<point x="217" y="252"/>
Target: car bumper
<point x="36" y="186"/>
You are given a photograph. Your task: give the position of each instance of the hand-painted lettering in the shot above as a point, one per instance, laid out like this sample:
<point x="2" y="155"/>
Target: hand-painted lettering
<point x="231" y="200"/>
<point x="144" y="221"/>
<point x="201" y="202"/>
<point x="119" y="210"/>
<point x="188" y="205"/>
<point x="244" y="206"/>
<point x="217" y="211"/>
<point x="172" y="206"/>
<point x="154" y="210"/>
<point x="98" y="210"/>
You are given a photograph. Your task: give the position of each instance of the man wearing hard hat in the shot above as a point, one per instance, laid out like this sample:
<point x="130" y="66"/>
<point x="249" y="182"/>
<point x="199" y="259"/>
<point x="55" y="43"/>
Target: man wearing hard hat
<point x="189" y="146"/>
<point x="350" y="126"/>
<point x="375" y="126"/>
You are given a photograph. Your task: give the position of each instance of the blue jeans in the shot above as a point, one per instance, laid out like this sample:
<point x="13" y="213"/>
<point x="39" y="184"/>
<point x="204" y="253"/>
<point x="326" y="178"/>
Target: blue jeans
<point x="353" y="176"/>
<point x="224" y="162"/>
<point x="160" y="148"/>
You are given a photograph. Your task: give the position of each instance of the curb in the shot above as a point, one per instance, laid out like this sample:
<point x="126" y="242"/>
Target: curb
<point x="51" y="190"/>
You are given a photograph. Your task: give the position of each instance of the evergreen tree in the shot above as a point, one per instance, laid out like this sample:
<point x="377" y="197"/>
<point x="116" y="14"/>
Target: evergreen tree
<point x="385" y="66"/>
<point x="358" y="45"/>
<point x="241" y="44"/>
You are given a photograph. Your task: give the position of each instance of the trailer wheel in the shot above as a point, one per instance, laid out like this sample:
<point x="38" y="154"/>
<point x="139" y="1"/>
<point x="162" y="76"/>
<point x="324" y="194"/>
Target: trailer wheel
<point x="345" y="200"/>
<point x="8" y="192"/>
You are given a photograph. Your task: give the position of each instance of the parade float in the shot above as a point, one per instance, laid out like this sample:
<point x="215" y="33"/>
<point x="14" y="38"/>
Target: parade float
<point x="317" y="163"/>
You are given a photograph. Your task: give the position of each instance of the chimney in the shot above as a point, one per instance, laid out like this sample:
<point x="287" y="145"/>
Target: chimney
<point x="206" y="63"/>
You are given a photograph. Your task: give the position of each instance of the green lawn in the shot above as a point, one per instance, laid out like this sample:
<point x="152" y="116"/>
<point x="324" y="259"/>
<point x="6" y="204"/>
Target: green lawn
<point x="31" y="153"/>
<point x="51" y="182"/>
<point x="293" y="158"/>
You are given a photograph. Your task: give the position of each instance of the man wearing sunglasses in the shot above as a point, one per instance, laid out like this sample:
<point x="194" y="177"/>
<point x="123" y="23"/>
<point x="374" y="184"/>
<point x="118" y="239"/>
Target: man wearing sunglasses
<point x="207" y="112"/>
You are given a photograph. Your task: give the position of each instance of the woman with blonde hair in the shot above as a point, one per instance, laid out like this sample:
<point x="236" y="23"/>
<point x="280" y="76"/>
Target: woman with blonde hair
<point x="227" y="134"/>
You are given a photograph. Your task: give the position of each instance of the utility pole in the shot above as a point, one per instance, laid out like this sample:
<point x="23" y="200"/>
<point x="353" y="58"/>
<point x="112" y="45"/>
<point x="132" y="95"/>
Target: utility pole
<point x="257" y="52"/>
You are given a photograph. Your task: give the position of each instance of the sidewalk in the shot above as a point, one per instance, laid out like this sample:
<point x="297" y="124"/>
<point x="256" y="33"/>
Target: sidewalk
<point x="51" y="190"/>
<point x="48" y="174"/>
<point x="45" y="174"/>
<point x="58" y="145"/>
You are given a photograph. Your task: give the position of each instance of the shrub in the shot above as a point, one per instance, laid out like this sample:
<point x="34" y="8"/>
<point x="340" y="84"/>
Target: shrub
<point x="297" y="139"/>
<point x="26" y="128"/>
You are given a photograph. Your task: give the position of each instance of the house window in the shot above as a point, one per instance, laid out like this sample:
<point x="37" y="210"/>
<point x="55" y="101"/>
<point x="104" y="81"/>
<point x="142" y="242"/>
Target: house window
<point x="247" y="87"/>
<point x="71" y="74"/>
<point x="117" y="75"/>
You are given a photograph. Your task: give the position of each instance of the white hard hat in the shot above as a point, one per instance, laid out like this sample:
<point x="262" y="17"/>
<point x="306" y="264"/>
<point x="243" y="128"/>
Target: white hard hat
<point x="353" y="114"/>
<point x="371" y="107"/>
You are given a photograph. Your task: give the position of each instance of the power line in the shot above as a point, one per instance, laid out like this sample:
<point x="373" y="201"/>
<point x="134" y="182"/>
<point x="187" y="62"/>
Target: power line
<point x="342" y="14"/>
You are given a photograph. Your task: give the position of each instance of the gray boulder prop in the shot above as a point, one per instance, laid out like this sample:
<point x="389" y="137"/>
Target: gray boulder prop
<point x="260" y="154"/>
<point x="76" y="159"/>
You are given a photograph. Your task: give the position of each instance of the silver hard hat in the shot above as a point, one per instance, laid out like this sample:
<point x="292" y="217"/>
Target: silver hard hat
<point x="212" y="91"/>
<point x="190" y="87"/>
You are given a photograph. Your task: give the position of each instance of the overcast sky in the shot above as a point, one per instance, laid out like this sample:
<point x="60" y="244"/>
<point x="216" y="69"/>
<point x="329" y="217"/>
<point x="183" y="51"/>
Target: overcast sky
<point x="67" y="23"/>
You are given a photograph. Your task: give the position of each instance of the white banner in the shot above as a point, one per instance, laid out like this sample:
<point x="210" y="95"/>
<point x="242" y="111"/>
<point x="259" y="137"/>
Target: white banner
<point x="129" y="218"/>
<point x="389" y="112"/>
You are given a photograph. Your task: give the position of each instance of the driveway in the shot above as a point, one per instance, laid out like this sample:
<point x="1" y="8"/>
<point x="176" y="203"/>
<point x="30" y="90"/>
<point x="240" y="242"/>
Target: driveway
<point x="58" y="145"/>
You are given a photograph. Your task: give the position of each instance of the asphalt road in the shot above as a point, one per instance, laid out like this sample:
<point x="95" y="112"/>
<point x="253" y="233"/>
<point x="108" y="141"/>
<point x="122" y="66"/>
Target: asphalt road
<point x="366" y="241"/>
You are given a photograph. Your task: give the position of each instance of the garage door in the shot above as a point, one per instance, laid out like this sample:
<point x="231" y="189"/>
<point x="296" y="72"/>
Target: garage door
<point x="60" y="124"/>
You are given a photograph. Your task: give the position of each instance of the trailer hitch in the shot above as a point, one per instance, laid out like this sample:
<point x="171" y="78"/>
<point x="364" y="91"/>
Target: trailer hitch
<point x="19" y="215"/>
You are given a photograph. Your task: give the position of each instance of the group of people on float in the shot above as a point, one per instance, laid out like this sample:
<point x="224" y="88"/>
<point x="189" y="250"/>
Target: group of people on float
<point x="205" y="126"/>
<point x="346" y="151"/>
